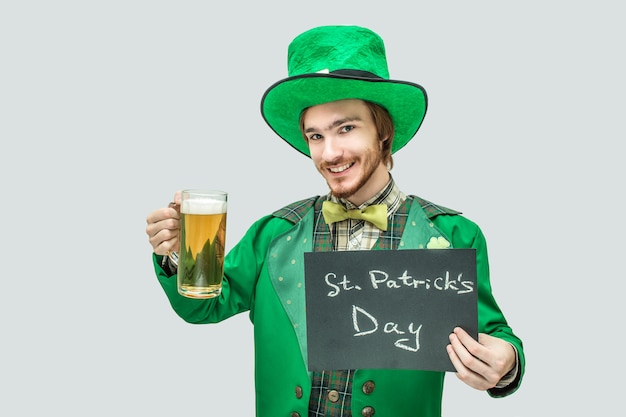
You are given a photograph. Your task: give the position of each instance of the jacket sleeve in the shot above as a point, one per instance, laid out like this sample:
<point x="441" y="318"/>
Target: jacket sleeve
<point x="242" y="266"/>
<point x="463" y="233"/>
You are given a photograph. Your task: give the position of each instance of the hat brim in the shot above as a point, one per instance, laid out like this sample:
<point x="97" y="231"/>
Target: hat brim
<point x="285" y="100"/>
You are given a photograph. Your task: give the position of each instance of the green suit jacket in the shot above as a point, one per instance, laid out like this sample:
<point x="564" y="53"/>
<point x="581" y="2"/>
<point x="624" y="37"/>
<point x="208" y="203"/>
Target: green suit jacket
<point x="264" y="274"/>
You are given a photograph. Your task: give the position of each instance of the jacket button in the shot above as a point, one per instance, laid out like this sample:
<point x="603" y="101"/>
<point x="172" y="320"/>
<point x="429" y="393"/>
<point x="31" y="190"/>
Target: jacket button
<point x="368" y="411"/>
<point x="333" y="395"/>
<point x="298" y="392"/>
<point x="368" y="387"/>
<point x="295" y="414"/>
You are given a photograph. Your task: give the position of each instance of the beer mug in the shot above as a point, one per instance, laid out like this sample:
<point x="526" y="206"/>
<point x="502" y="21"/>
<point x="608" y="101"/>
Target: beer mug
<point x="202" y="240"/>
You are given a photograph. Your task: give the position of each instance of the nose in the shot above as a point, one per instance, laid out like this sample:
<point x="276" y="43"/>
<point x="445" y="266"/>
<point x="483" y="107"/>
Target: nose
<point x="332" y="149"/>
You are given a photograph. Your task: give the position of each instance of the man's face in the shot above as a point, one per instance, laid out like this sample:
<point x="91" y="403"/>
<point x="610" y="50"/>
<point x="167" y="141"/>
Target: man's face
<point x="345" y="148"/>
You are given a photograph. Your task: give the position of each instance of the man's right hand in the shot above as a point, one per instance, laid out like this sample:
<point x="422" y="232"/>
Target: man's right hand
<point x="163" y="228"/>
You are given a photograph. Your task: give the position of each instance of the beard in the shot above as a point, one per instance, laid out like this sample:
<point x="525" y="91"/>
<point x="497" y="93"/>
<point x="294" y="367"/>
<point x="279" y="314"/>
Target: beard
<point x="346" y="187"/>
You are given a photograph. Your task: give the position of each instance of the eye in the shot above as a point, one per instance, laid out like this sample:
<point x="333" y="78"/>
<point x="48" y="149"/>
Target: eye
<point x="347" y="128"/>
<point x="315" y="136"/>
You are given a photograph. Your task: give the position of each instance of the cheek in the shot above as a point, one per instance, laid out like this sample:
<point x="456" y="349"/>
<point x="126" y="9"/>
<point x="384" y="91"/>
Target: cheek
<point x="316" y="153"/>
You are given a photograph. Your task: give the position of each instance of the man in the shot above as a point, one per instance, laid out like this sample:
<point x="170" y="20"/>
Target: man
<point x="339" y="107"/>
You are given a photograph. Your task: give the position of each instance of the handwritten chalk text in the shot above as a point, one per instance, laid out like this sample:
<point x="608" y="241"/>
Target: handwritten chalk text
<point x="361" y="318"/>
<point x="380" y="279"/>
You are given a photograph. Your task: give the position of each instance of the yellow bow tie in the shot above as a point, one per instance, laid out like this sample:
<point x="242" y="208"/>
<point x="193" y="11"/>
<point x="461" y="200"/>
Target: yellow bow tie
<point x="375" y="214"/>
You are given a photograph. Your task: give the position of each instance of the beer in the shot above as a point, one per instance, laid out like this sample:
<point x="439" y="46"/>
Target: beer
<point x="202" y="240"/>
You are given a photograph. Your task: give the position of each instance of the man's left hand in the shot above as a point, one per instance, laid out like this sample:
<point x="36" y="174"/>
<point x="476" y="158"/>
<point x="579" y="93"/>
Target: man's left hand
<point x="480" y="364"/>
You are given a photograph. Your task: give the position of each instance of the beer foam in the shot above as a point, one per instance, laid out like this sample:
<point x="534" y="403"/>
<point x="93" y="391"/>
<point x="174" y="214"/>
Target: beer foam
<point x="203" y="206"/>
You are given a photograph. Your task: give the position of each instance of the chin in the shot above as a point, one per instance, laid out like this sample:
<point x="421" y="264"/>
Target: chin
<point x="341" y="191"/>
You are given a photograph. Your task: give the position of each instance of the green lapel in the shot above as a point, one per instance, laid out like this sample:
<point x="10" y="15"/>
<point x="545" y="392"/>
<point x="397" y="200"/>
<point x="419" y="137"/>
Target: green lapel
<point x="285" y="266"/>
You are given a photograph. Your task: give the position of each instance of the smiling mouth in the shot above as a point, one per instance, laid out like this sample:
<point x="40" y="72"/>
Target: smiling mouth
<point x="337" y="170"/>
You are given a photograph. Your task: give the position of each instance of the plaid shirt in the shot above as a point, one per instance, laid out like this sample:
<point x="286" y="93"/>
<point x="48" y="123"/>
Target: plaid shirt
<point x="331" y="391"/>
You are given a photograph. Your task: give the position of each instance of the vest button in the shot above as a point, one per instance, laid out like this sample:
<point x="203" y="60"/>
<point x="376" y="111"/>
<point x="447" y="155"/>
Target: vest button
<point x="333" y="395"/>
<point x="368" y="387"/>
<point x="298" y="392"/>
<point x="295" y="414"/>
<point x="368" y="411"/>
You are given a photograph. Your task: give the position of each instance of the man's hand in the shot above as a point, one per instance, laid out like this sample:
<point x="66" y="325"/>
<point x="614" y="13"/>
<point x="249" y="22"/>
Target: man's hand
<point x="163" y="228"/>
<point x="480" y="364"/>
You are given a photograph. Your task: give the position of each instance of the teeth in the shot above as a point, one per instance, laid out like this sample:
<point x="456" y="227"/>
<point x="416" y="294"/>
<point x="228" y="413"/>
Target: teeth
<point x="341" y="168"/>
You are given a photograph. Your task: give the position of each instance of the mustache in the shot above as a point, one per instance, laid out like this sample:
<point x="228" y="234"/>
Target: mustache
<point x="335" y="163"/>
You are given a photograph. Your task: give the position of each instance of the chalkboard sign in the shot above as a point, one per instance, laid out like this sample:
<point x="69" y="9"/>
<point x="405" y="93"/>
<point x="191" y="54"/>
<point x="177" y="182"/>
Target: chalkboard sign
<point x="388" y="308"/>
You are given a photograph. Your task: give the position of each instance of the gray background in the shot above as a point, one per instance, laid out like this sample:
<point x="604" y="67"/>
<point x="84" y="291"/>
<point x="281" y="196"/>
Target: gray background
<point x="107" y="108"/>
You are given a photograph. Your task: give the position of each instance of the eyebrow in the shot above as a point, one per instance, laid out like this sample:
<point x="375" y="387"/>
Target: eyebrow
<point x="336" y="123"/>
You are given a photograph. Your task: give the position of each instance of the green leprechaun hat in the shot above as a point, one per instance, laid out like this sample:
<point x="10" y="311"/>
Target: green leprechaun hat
<point x="330" y="63"/>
